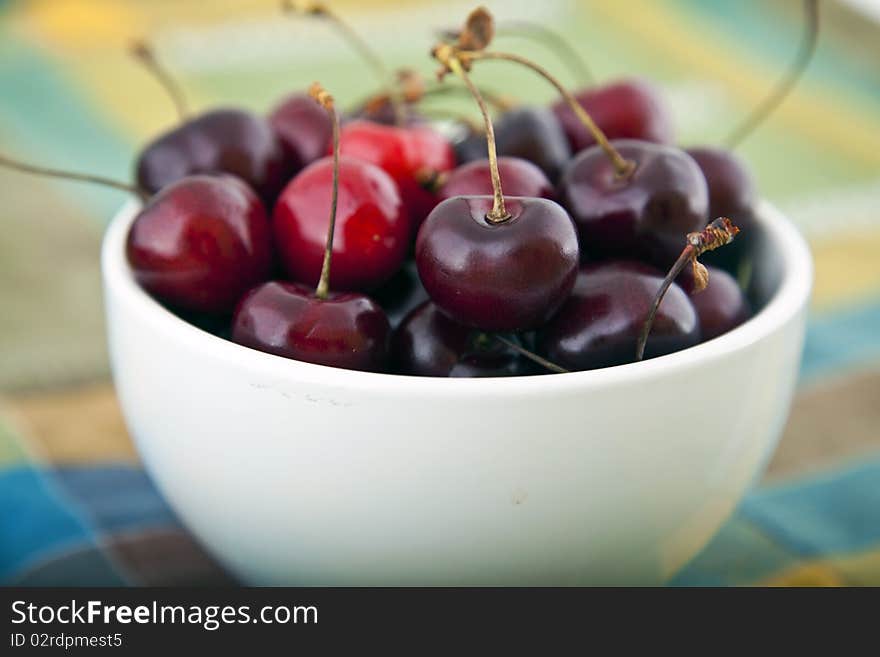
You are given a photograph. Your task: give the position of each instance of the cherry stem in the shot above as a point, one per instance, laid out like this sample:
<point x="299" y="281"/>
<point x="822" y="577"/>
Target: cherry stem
<point x="563" y="49"/>
<point x="718" y="233"/>
<point x="447" y="56"/>
<point x="325" y="100"/>
<point x="787" y="82"/>
<point x="622" y="166"/>
<point x="145" y="55"/>
<point x="319" y="9"/>
<point x="9" y="163"/>
<point x="543" y="362"/>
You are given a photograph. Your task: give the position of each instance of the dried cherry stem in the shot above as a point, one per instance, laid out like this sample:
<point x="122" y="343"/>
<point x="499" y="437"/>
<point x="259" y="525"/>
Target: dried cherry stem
<point x="622" y="166"/>
<point x="532" y="356"/>
<point x="551" y="40"/>
<point x="325" y="100"/>
<point x="142" y="51"/>
<point x="718" y="233"/>
<point x="447" y="56"/>
<point x="16" y="165"/>
<point x="787" y="82"/>
<point x="366" y="51"/>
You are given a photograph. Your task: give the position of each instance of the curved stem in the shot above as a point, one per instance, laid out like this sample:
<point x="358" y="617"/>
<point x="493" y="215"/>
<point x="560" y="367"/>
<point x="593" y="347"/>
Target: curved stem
<point x="686" y="256"/>
<point x="144" y="54"/>
<point x="622" y="166"/>
<point x="498" y="214"/>
<point x="75" y="177"/>
<point x="563" y="49"/>
<point x="325" y="100"/>
<point x="360" y="44"/>
<point x="543" y="362"/>
<point x="788" y="80"/>
<point x="719" y="232"/>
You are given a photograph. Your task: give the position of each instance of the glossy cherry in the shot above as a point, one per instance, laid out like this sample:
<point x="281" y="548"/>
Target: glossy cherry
<point x="643" y="214"/>
<point x="372" y="229"/>
<point x="530" y="133"/>
<point x="624" y="109"/>
<point x="219" y="141"/>
<point x="429" y="343"/>
<point x="303" y="127"/>
<point x="600" y="323"/>
<point x="200" y="243"/>
<point x="412" y="156"/>
<point x="732" y="190"/>
<point x="286" y="319"/>
<point x="344" y="330"/>
<point x="721" y="306"/>
<point x="520" y="177"/>
<point x="507" y="276"/>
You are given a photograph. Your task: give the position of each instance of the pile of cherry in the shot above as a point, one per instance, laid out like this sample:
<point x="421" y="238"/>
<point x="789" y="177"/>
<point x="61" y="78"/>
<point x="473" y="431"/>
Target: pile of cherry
<point x="381" y="245"/>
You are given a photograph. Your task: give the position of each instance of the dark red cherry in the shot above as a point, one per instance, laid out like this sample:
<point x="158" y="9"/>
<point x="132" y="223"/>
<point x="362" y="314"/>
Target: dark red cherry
<point x="372" y="229"/>
<point x="220" y="141"/>
<point x="200" y="243"/>
<point x="287" y="319"/>
<point x="429" y="343"/>
<point x="732" y="191"/>
<point x="411" y="156"/>
<point x="530" y="133"/>
<point x="721" y="306"/>
<point x="303" y="127"/>
<point x="401" y="294"/>
<point x="600" y="323"/>
<point x="625" y="109"/>
<point x="732" y="194"/>
<point x="644" y="215"/>
<point x="519" y="177"/>
<point x="508" y="276"/>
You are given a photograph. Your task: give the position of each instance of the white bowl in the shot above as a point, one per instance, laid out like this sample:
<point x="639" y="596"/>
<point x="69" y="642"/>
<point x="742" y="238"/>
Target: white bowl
<point x="292" y="473"/>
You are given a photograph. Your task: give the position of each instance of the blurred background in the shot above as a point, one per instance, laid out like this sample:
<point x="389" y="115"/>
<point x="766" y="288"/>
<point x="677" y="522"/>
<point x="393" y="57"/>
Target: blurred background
<point x="71" y="97"/>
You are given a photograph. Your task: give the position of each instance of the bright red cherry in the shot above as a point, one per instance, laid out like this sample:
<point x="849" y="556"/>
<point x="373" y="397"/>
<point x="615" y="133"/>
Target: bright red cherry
<point x="498" y="276"/>
<point x="223" y="140"/>
<point x="643" y="214"/>
<point x="412" y="156"/>
<point x="200" y="243"/>
<point x="372" y="233"/>
<point x="287" y="319"/>
<point x="520" y="177"/>
<point x="303" y="127"/>
<point x="624" y="109"/>
<point x="429" y="343"/>
<point x="600" y="323"/>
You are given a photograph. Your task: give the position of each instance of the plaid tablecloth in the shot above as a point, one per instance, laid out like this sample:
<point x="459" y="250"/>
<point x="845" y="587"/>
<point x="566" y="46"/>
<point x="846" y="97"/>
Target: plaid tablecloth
<point x="75" y="505"/>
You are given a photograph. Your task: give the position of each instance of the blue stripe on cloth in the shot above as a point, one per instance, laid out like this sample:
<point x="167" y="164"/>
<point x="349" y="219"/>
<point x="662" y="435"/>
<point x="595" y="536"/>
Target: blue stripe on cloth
<point x="115" y="497"/>
<point x="840" y="340"/>
<point x="834" y="514"/>
<point x="34" y="521"/>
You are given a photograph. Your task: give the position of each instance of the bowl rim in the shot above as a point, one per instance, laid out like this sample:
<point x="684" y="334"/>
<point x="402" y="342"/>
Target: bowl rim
<point x="790" y="297"/>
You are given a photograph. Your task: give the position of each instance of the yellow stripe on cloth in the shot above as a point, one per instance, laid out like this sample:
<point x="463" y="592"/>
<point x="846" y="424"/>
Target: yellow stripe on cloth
<point x="811" y="110"/>
<point x="847" y="269"/>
